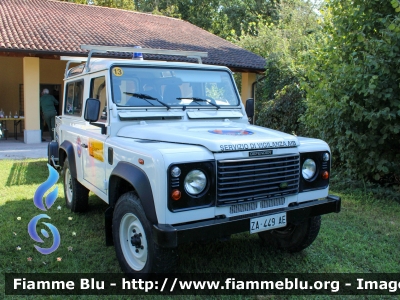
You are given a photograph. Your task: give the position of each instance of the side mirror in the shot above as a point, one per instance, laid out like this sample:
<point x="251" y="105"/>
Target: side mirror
<point x="250" y="107"/>
<point x="92" y="110"/>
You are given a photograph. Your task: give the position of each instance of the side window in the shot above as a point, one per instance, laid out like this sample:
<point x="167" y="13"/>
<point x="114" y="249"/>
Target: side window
<point x="98" y="91"/>
<point x="74" y="98"/>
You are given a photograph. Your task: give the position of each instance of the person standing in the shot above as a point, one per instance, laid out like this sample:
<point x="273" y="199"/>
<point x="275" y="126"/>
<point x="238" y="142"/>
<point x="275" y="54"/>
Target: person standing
<point x="47" y="103"/>
<point x="41" y="125"/>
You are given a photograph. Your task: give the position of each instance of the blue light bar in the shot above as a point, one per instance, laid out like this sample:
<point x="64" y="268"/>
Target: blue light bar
<point x="137" y="55"/>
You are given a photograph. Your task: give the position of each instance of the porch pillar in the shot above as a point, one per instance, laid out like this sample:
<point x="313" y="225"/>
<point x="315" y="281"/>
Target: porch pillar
<point x="31" y="77"/>
<point x="247" y="81"/>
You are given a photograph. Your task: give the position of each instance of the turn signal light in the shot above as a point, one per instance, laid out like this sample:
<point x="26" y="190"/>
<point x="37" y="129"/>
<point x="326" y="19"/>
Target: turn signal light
<point x="176" y="195"/>
<point x="325" y="175"/>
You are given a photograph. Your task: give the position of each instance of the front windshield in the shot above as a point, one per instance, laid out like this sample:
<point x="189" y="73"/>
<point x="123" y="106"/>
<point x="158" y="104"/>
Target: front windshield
<point x="172" y="87"/>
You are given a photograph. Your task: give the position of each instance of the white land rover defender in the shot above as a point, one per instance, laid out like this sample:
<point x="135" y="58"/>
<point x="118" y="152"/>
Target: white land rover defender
<point x="169" y="147"/>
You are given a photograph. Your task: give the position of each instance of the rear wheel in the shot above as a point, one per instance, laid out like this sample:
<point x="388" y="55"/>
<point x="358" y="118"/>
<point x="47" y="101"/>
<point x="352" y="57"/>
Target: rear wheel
<point x="76" y="195"/>
<point x="136" y="251"/>
<point x="293" y="238"/>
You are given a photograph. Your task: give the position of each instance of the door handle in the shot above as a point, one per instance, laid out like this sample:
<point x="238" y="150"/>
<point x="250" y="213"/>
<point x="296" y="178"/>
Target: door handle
<point x="84" y="145"/>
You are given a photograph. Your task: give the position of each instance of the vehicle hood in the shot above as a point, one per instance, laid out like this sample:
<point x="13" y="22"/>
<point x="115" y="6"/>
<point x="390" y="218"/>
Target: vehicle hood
<point x="215" y="136"/>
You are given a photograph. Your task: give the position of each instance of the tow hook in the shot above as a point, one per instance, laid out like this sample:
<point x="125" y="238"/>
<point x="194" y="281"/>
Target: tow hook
<point x="54" y="163"/>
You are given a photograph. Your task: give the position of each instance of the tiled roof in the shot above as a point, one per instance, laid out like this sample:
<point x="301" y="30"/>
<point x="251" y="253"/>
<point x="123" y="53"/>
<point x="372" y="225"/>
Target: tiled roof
<point x="59" y="28"/>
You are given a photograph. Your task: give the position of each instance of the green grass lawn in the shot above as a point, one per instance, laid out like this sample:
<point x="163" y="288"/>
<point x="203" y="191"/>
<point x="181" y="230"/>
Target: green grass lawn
<point x="363" y="238"/>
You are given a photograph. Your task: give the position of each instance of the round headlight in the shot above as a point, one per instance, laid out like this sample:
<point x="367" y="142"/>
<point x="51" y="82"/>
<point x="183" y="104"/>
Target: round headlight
<point x="195" y="182"/>
<point x="309" y="168"/>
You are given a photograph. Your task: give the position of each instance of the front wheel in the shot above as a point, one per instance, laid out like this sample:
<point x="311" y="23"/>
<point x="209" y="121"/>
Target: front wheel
<point x="136" y="251"/>
<point x="76" y="195"/>
<point x="293" y="238"/>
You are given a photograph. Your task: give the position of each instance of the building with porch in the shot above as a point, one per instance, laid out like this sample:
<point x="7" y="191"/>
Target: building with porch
<point x="35" y="35"/>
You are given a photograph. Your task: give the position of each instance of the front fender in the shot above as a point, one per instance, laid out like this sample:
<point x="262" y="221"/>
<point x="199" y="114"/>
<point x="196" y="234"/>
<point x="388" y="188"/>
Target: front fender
<point x="140" y="182"/>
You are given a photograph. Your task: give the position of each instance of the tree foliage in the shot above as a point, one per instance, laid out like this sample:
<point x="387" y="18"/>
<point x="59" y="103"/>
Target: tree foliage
<point x="284" y="42"/>
<point x="122" y="4"/>
<point x="353" y="93"/>
<point x="225" y="18"/>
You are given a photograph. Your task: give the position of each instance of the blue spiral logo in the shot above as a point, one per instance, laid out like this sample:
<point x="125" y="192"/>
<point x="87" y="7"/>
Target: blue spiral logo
<point x="34" y="236"/>
<point x="49" y="201"/>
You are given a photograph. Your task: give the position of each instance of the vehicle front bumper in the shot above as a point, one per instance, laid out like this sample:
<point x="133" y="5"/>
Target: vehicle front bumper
<point x="171" y="236"/>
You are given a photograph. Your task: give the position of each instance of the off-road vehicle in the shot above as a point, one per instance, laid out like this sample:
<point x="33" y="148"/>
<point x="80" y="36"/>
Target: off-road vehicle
<point x="169" y="147"/>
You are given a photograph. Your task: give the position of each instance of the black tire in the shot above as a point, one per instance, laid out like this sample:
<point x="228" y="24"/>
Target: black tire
<point x="136" y="251"/>
<point x="293" y="238"/>
<point x="76" y="195"/>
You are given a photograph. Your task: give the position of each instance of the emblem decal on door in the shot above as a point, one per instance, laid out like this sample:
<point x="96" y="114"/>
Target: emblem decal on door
<point x="96" y="149"/>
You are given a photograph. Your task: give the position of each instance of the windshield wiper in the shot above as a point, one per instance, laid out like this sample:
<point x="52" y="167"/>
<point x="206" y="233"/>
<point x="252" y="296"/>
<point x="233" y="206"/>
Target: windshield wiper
<point x="195" y="99"/>
<point x="147" y="97"/>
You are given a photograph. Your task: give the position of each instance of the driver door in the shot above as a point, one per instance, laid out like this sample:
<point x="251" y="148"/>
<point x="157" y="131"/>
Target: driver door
<point x="94" y="155"/>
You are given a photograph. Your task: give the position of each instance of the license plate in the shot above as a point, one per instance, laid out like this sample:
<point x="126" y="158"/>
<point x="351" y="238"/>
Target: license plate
<point x="267" y="222"/>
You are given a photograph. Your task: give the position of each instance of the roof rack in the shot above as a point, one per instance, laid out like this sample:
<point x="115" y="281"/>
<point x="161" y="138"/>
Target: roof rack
<point x="72" y="60"/>
<point x="104" y="49"/>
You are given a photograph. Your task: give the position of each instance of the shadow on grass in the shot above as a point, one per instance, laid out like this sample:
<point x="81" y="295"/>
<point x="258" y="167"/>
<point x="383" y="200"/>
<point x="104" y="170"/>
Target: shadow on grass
<point x="356" y="240"/>
<point x="23" y="172"/>
<point x="83" y="232"/>
<point x="243" y="253"/>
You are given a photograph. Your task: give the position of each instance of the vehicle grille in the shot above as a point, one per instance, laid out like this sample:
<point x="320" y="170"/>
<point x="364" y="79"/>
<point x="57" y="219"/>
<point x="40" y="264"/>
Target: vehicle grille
<point x="239" y="208"/>
<point x="249" y="206"/>
<point x="272" y="202"/>
<point x="257" y="179"/>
